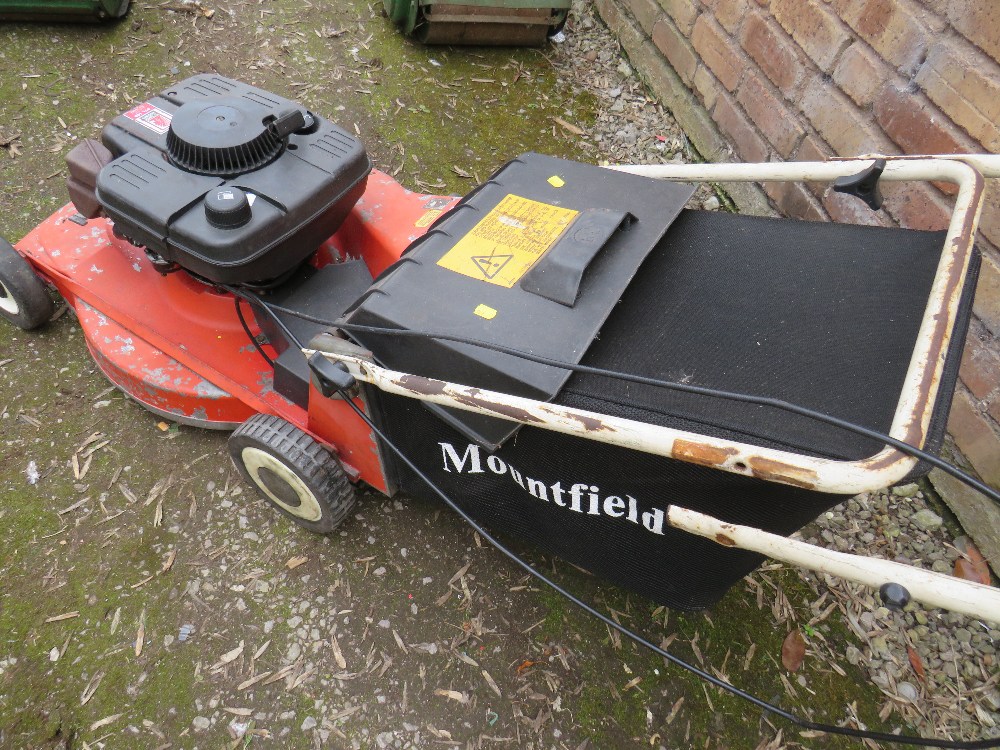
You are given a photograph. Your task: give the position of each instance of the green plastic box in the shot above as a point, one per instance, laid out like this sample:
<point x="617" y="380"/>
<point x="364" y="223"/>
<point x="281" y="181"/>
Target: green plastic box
<point x="62" y="10"/>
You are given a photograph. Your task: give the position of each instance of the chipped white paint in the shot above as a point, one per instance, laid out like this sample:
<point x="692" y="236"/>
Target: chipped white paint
<point x="932" y="589"/>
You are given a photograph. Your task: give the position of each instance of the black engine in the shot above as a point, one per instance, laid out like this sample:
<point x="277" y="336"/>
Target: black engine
<point x="230" y="182"/>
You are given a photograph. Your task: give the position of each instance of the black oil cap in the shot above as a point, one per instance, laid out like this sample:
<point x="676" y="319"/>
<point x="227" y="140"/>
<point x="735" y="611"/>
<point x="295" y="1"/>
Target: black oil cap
<point x="227" y="208"/>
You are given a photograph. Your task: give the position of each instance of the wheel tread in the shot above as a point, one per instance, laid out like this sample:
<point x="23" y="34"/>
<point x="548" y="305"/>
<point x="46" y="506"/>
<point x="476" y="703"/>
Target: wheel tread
<point x="27" y="290"/>
<point x="309" y="458"/>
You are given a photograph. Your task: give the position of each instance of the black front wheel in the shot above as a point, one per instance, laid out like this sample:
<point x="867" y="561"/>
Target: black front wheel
<point x="24" y="300"/>
<point x="297" y="475"/>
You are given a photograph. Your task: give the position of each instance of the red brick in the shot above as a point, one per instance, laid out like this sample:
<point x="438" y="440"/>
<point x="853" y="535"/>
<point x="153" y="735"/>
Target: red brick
<point x="994" y="411"/>
<point x="940" y="7"/>
<point x="812" y="148"/>
<point x="989" y="222"/>
<point x="610" y="14"/>
<point x="980" y="367"/>
<point x="847" y="209"/>
<point x="730" y="13"/>
<point x="718" y="52"/>
<point x="816" y="29"/>
<point x="669" y="40"/>
<point x="975" y="437"/>
<point x="707" y="86"/>
<point x="889" y="26"/>
<point x="771" y="117"/>
<point x="794" y="200"/>
<point x="979" y="22"/>
<point x="738" y="128"/>
<point x="987" y="304"/>
<point x="965" y="84"/>
<point x="775" y="53"/>
<point x="915" y="124"/>
<point x="683" y="12"/>
<point x="916" y="205"/>
<point x="646" y="12"/>
<point x="839" y="121"/>
<point x="860" y="74"/>
<point x="918" y="127"/>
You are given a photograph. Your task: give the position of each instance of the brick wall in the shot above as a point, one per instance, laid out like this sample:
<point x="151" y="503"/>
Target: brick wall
<point x="759" y="80"/>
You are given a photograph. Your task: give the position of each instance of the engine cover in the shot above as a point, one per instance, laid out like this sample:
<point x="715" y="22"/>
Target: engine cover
<point x="228" y="181"/>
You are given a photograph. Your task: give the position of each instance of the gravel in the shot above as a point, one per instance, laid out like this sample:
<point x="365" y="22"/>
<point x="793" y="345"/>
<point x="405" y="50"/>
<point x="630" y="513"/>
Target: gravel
<point x="937" y="668"/>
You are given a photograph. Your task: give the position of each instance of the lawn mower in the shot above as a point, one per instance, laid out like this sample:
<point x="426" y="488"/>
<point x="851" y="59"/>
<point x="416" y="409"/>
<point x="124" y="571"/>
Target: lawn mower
<point x="236" y="263"/>
<point x="63" y="10"/>
<point x="515" y="23"/>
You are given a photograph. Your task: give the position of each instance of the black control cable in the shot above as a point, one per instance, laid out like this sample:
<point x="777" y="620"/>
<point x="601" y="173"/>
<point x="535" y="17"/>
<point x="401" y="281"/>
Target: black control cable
<point x="349" y="382"/>
<point x="900" y="739"/>
<point x="246" y="329"/>
<point x="775" y="403"/>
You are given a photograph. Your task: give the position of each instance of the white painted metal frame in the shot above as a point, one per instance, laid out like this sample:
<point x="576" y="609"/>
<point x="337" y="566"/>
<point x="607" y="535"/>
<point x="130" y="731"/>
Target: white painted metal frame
<point x="910" y="423"/>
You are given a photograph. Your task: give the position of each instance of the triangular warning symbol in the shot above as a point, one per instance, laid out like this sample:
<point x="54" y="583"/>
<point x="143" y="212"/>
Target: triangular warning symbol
<point x="490" y="265"/>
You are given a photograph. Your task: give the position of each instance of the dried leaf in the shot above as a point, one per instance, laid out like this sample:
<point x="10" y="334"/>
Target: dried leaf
<point x="169" y="562"/>
<point x="631" y="684"/>
<point x="459" y="573"/>
<point x="970" y="570"/>
<point x="442" y="600"/>
<point x="338" y="655"/>
<point x="492" y="683"/>
<point x="73" y="507"/>
<point x="917" y="663"/>
<point x="441" y="734"/>
<point x="673" y="711"/>
<point x="88" y="692"/>
<point x="105" y="721"/>
<point x="984" y="717"/>
<point x="66" y="616"/>
<point x="526" y="664"/>
<point x="568" y="126"/>
<point x="343" y="714"/>
<point x="231" y="655"/>
<point x="452" y="695"/>
<point x="140" y="635"/>
<point x="253" y="681"/>
<point x="280" y="674"/>
<point x="399" y="642"/>
<point x="793" y="651"/>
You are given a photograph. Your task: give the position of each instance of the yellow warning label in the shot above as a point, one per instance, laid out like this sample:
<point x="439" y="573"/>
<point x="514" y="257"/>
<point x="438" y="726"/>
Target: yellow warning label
<point x="556" y="181"/>
<point x="508" y="240"/>
<point x="428" y="218"/>
<point x="485" y="311"/>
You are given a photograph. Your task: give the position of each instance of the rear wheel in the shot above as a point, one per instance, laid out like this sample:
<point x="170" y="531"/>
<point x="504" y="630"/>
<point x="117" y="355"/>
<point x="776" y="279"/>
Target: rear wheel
<point x="296" y="474"/>
<point x="24" y="300"/>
